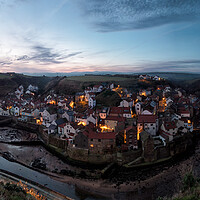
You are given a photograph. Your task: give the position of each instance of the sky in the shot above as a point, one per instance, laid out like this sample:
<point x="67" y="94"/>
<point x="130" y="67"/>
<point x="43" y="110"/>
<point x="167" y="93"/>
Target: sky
<point x="61" y="36"/>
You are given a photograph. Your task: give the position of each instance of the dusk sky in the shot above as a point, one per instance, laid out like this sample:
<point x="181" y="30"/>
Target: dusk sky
<point x="99" y="35"/>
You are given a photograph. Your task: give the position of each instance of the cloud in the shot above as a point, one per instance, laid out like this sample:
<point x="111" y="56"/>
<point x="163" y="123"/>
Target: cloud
<point x="10" y="3"/>
<point x="47" y="55"/>
<point x="192" y="65"/>
<point x="118" y="15"/>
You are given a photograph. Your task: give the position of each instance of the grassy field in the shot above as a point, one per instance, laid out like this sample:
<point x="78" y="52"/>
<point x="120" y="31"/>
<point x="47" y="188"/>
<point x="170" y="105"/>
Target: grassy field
<point x="98" y="78"/>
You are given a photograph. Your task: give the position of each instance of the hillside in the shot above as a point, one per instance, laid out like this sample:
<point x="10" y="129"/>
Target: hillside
<point x="10" y="81"/>
<point x="70" y="85"/>
<point x="73" y="84"/>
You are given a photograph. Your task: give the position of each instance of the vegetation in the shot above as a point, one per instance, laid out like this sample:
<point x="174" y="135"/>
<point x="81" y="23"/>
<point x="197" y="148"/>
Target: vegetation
<point x="190" y="190"/>
<point x="13" y="192"/>
<point x="10" y="81"/>
<point x="108" y="98"/>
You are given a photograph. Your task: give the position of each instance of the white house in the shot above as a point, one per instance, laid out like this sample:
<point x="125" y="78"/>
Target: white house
<point x="138" y="108"/>
<point x="156" y="78"/>
<point x="126" y="103"/>
<point x="88" y="95"/>
<point x="148" y="123"/>
<point x="15" y="111"/>
<point x="68" y="131"/>
<point x="92" y="102"/>
<point x="91" y="119"/>
<point x="4" y="112"/>
<point x="97" y="88"/>
<point x="169" y="130"/>
<point x="47" y="118"/>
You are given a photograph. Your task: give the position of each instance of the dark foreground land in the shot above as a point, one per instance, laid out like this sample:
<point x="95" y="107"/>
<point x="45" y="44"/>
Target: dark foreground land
<point x="140" y="183"/>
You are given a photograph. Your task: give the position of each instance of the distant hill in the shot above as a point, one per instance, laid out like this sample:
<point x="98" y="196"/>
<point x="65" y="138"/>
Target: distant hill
<point x="10" y="81"/>
<point x="175" y="76"/>
<point x="72" y="84"/>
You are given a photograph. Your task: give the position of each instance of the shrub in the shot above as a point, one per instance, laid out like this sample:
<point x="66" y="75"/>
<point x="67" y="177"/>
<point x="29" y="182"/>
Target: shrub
<point x="189" y="181"/>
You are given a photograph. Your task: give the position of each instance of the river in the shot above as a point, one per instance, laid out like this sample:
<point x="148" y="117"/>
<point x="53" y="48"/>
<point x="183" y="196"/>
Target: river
<point x="47" y="181"/>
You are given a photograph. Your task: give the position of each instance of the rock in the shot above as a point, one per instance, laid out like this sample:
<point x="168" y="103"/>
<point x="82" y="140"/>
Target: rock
<point x="38" y="163"/>
<point x="8" y="156"/>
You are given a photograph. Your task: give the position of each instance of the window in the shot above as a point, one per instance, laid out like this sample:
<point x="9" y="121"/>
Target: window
<point x="99" y="140"/>
<point x="91" y="140"/>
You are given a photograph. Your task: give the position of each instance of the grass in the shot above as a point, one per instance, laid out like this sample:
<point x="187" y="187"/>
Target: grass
<point x="98" y="78"/>
<point x="5" y="76"/>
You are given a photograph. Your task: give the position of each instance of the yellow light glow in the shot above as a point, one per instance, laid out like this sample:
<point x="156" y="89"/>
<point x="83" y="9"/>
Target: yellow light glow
<point x="38" y="121"/>
<point x="144" y="94"/>
<point x="105" y="128"/>
<point x="72" y="104"/>
<point x="138" y="134"/>
<point x="189" y="122"/>
<point x="82" y="123"/>
<point x="125" y="137"/>
<point x="92" y="145"/>
<point x="52" y="102"/>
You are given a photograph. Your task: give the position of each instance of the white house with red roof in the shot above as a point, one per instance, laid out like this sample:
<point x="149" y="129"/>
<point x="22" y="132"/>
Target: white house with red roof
<point x="148" y="123"/>
<point x="169" y="130"/>
<point x="68" y="130"/>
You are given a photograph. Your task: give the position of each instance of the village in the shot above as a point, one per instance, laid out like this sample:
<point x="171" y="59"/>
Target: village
<point x="144" y="127"/>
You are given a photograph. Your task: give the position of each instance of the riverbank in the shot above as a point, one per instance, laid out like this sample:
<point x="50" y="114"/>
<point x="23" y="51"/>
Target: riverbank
<point x="140" y="183"/>
<point x="9" y="178"/>
<point x="165" y="183"/>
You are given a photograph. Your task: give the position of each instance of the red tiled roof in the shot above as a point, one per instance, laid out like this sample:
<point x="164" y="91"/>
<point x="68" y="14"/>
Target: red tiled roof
<point x="170" y="125"/>
<point x="91" y="93"/>
<point x="115" y="118"/>
<point x="184" y="119"/>
<point x="93" y="135"/>
<point x="147" y="118"/>
<point x="119" y="110"/>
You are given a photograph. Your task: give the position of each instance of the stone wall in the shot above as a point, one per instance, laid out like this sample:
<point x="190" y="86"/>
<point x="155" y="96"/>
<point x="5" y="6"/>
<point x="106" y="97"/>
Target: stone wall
<point x="128" y="156"/>
<point x="84" y="155"/>
<point x="61" y="144"/>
